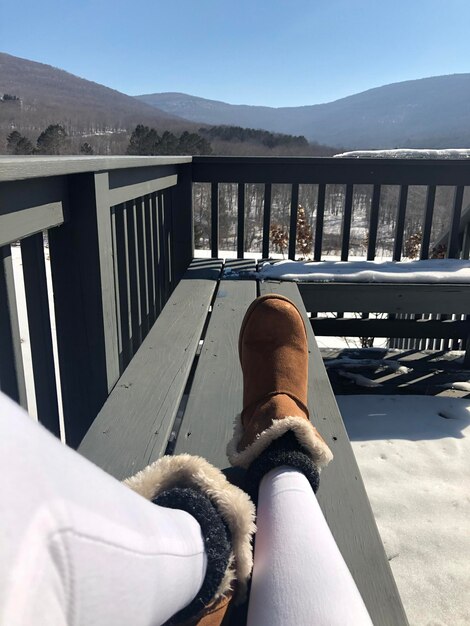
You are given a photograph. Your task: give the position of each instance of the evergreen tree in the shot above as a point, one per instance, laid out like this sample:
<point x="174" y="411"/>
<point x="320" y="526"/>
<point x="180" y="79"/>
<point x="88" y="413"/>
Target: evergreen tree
<point x="85" y="148"/>
<point x="168" y="144"/>
<point x="18" y="144"/>
<point x="192" y="143"/>
<point x="144" y="141"/>
<point x="52" y="140"/>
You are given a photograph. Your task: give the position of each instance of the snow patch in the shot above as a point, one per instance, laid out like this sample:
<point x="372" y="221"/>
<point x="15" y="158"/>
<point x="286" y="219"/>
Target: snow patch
<point x="425" y="272"/>
<point x="404" y="153"/>
<point x="415" y="466"/>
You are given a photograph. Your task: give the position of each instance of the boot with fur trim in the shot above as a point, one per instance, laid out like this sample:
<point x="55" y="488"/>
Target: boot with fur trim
<point x="226" y="516"/>
<point x="273" y="351"/>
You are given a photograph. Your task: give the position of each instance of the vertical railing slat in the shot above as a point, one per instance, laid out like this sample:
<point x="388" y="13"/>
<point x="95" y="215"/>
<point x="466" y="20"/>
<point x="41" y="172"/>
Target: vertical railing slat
<point x="11" y="361"/>
<point x="123" y="285"/>
<point x="294" y="207"/>
<point x="40" y="333"/>
<point x="150" y="259"/>
<point x="133" y="274"/>
<point x="427" y="226"/>
<point x="166" y="197"/>
<point x="453" y="242"/>
<point x="373" y="223"/>
<point x="142" y="267"/>
<point x="466" y="242"/>
<point x="346" y="223"/>
<point x="319" y="222"/>
<point x="241" y="221"/>
<point x="215" y="220"/>
<point x="400" y="225"/>
<point x="266" y="220"/>
<point x="164" y="265"/>
<point x="157" y="250"/>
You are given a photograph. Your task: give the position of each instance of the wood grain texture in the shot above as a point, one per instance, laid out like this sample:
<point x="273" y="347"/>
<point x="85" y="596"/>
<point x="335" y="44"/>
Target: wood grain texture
<point x="342" y="495"/>
<point x="386" y="297"/>
<point x="133" y="427"/>
<point x="216" y="393"/>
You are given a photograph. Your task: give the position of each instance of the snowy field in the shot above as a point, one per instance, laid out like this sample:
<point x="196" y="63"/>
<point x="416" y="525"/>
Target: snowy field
<point x="414" y="456"/>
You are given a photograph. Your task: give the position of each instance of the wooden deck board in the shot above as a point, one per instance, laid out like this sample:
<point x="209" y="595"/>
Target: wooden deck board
<point x="133" y="427"/>
<point x="342" y="495"/>
<point x="216" y="393"/>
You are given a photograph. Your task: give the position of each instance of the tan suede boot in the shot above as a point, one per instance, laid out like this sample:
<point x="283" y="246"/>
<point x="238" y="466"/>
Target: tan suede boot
<point x="273" y="351"/>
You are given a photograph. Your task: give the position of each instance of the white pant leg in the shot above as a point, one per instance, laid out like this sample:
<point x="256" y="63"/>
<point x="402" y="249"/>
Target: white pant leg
<point x="299" y="575"/>
<point x="79" y="548"/>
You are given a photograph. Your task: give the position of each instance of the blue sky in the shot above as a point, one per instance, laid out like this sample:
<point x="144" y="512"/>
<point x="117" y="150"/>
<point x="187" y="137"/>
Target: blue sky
<point x="277" y="52"/>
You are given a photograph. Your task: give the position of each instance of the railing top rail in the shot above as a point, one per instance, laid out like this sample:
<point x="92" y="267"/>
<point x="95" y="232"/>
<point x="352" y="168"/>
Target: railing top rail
<point x="24" y="167"/>
<point x="331" y="170"/>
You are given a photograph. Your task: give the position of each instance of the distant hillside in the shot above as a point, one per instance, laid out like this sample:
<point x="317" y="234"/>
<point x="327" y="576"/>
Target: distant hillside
<point x="425" y="113"/>
<point x="48" y="95"/>
<point x="235" y="140"/>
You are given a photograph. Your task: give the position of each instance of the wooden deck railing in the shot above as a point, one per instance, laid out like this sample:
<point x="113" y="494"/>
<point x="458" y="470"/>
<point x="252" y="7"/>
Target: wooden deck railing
<point x="349" y="172"/>
<point x="120" y="237"/>
<point x="120" y="234"/>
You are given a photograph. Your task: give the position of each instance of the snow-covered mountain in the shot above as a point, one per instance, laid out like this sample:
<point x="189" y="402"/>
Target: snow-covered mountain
<point x="426" y="113"/>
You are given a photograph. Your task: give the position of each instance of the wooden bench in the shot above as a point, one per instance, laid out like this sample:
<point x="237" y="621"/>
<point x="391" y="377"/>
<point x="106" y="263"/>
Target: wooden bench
<point x="182" y="389"/>
<point x="427" y="303"/>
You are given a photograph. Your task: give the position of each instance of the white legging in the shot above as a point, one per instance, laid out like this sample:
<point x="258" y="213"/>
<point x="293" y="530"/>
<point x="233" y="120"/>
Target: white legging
<point x="78" y="548"/>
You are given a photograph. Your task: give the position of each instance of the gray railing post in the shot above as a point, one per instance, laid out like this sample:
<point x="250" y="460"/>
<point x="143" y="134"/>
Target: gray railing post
<point x="182" y="231"/>
<point x="85" y="303"/>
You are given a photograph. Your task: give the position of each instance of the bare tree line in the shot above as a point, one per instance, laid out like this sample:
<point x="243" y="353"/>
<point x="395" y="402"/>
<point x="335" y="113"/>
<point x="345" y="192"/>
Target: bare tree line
<point x="333" y="215"/>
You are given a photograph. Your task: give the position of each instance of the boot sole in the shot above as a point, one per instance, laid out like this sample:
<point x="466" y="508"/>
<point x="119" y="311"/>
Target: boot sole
<point x="252" y="307"/>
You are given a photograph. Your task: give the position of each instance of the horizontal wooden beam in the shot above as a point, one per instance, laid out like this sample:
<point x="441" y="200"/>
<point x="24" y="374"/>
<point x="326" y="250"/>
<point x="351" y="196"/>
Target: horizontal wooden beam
<point x="20" y="168"/>
<point x="14" y="226"/>
<point x="386" y="298"/>
<point x="31" y="206"/>
<point x="124" y="194"/>
<point x="350" y="327"/>
<point x="329" y="170"/>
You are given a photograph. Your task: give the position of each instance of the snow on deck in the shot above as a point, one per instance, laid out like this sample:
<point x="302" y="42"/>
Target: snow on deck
<point x="414" y="456"/>
<point x="430" y="271"/>
<point x="407" y="153"/>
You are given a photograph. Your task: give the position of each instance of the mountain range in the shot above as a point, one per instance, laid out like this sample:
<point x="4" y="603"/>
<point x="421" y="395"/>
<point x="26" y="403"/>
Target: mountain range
<point x="425" y="113"/>
<point x="48" y="95"/>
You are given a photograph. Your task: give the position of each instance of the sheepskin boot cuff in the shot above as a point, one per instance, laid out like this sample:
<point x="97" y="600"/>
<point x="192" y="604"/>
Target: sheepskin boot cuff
<point x="217" y="545"/>
<point x="193" y="482"/>
<point x="283" y="451"/>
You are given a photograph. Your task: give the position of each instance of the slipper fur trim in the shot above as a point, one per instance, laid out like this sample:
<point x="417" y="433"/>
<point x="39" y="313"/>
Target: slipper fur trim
<point x="304" y="431"/>
<point x="234" y="505"/>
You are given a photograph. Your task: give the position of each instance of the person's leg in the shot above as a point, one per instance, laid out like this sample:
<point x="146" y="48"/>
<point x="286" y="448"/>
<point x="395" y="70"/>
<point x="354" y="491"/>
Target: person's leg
<point x="78" y="547"/>
<point x="299" y="575"/>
